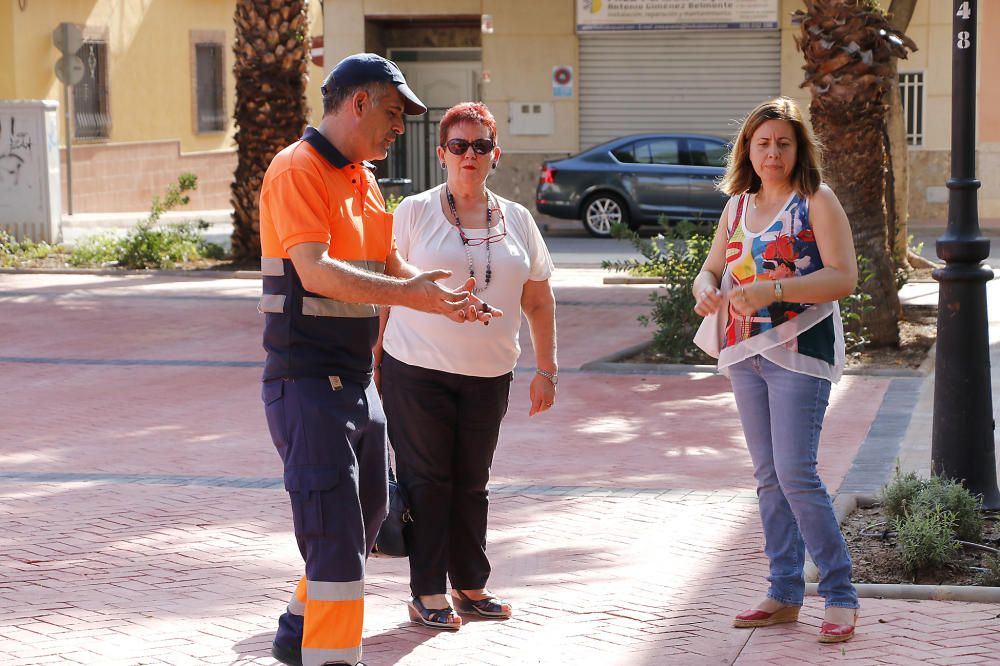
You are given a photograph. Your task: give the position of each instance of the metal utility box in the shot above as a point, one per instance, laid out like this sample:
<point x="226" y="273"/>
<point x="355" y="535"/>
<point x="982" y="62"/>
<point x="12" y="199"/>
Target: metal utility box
<point x="30" y="189"/>
<point x="527" y="118"/>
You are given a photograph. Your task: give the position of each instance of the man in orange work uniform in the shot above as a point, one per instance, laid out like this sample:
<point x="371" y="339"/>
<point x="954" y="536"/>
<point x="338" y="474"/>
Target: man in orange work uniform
<point x="328" y="260"/>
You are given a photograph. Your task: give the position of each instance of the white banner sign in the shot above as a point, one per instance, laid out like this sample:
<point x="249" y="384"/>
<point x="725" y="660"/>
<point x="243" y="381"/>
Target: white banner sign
<point x="676" y="14"/>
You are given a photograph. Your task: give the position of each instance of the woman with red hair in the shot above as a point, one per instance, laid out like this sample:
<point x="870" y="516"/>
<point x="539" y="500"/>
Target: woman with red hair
<point x="445" y="387"/>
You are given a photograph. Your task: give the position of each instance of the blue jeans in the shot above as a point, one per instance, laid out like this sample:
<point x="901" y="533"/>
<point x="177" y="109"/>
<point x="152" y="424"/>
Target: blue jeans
<point x="782" y="414"/>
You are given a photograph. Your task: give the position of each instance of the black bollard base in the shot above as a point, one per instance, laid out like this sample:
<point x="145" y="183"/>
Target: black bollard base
<point x="963" y="445"/>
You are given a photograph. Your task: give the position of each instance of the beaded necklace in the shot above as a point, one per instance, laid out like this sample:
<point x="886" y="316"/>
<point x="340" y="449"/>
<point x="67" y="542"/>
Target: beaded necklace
<point x="465" y="241"/>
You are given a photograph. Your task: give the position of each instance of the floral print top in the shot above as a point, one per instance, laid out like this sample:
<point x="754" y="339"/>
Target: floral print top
<point x="784" y="248"/>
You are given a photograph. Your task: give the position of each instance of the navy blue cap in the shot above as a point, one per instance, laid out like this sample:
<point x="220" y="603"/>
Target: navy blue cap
<point x="362" y="68"/>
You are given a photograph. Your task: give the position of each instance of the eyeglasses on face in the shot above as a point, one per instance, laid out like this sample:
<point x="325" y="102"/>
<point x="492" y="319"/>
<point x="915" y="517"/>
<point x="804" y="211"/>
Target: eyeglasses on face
<point x="461" y="146"/>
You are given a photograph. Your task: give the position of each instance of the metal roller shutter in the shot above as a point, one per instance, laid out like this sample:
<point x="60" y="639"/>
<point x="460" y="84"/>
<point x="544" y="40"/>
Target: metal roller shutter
<point x="674" y="81"/>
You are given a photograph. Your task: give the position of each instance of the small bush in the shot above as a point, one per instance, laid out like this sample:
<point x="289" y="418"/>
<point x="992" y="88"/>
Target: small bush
<point x="100" y="250"/>
<point x="902" y="265"/>
<point x="148" y="245"/>
<point x="8" y="249"/>
<point x="952" y="497"/>
<point x="926" y="539"/>
<point x="675" y="255"/>
<point x="899" y="495"/>
<point x="391" y="202"/>
<point x="12" y="252"/>
<point x="853" y="308"/>
<point x="991" y="576"/>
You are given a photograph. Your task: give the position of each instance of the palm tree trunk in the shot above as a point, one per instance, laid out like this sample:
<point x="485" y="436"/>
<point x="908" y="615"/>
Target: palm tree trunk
<point x="900" y="13"/>
<point x="856" y="171"/>
<point x="849" y="46"/>
<point x="271" y="61"/>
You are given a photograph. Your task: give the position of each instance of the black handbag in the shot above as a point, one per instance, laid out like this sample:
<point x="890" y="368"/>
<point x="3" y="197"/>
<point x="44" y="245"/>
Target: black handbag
<point x="391" y="538"/>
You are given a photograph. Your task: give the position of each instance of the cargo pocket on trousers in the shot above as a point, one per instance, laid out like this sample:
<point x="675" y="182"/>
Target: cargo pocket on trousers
<point x="272" y="390"/>
<point x="271" y="393"/>
<point x="312" y="492"/>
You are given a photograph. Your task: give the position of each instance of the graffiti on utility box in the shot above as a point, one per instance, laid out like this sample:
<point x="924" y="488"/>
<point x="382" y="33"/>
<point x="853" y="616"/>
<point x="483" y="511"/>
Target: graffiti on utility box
<point x="29" y="169"/>
<point x="18" y="148"/>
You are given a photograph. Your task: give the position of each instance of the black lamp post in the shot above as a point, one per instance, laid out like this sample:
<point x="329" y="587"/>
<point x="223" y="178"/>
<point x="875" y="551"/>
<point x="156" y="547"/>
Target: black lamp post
<point x="962" y="446"/>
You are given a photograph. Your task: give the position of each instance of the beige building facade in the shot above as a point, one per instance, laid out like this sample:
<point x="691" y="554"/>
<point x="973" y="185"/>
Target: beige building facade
<point x="523" y="44"/>
<point x="156" y="98"/>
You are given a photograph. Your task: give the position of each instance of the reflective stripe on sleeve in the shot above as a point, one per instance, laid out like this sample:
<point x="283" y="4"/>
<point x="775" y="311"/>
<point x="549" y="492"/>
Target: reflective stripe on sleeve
<point x="271" y="303"/>
<point x="373" y="266"/>
<point x="327" y="307"/>
<point x="272" y="266"/>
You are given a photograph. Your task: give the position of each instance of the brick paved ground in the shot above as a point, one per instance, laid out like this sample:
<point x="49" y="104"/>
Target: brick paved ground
<point x="142" y="519"/>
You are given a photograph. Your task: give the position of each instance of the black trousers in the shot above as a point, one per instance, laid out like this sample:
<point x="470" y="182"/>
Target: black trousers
<point x="444" y="429"/>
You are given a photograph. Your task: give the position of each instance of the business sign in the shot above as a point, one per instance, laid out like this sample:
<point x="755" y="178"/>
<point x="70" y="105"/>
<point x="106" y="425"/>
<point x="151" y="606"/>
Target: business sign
<point x="594" y="15"/>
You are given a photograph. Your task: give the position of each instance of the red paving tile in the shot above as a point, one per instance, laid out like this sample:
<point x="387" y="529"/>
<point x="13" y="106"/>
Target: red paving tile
<point x="623" y="529"/>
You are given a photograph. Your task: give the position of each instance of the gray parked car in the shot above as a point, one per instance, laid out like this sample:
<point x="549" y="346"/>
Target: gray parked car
<point x="635" y="180"/>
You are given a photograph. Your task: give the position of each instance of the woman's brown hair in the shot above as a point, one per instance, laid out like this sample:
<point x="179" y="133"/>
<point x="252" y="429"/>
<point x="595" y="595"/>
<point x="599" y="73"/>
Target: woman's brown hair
<point x="808" y="172"/>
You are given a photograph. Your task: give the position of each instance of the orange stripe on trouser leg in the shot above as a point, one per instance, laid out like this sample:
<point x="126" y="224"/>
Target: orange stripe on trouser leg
<point x="333" y="624"/>
<point x="300" y="590"/>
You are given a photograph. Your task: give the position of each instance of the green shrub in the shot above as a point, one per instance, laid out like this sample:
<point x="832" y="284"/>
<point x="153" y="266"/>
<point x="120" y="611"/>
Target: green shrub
<point x="901" y="264"/>
<point x="930" y="516"/>
<point x="926" y="539"/>
<point x="164" y="247"/>
<point x="853" y="308"/>
<point x="148" y="245"/>
<point x="100" y="250"/>
<point x="953" y="498"/>
<point x="13" y="253"/>
<point x="8" y="249"/>
<point x="175" y="196"/>
<point x="991" y="576"/>
<point x="208" y="249"/>
<point x="899" y="495"/>
<point x="675" y="256"/>
<point x="391" y="202"/>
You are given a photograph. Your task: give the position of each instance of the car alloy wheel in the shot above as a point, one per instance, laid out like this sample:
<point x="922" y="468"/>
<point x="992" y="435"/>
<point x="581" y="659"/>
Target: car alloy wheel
<point x="601" y="212"/>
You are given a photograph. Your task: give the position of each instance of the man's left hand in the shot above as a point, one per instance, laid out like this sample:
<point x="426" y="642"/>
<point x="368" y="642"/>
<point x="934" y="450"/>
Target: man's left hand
<point x="477" y="310"/>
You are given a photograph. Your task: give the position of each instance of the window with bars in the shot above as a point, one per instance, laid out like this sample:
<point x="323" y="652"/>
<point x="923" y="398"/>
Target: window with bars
<point x="211" y="112"/>
<point x="911" y="92"/>
<point x="90" y="95"/>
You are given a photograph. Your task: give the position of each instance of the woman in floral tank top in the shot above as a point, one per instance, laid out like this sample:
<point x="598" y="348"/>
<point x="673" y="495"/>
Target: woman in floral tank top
<point x="781" y="259"/>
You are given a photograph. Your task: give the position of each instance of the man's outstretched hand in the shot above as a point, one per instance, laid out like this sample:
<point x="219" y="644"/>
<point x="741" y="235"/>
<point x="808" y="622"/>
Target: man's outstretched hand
<point x="477" y="309"/>
<point x="427" y="295"/>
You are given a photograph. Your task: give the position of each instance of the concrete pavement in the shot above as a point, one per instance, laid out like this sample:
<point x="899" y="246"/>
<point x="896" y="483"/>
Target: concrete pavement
<point x="142" y="519"/>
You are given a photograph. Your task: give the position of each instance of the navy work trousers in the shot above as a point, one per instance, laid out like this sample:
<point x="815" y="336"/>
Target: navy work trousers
<point x="331" y="437"/>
